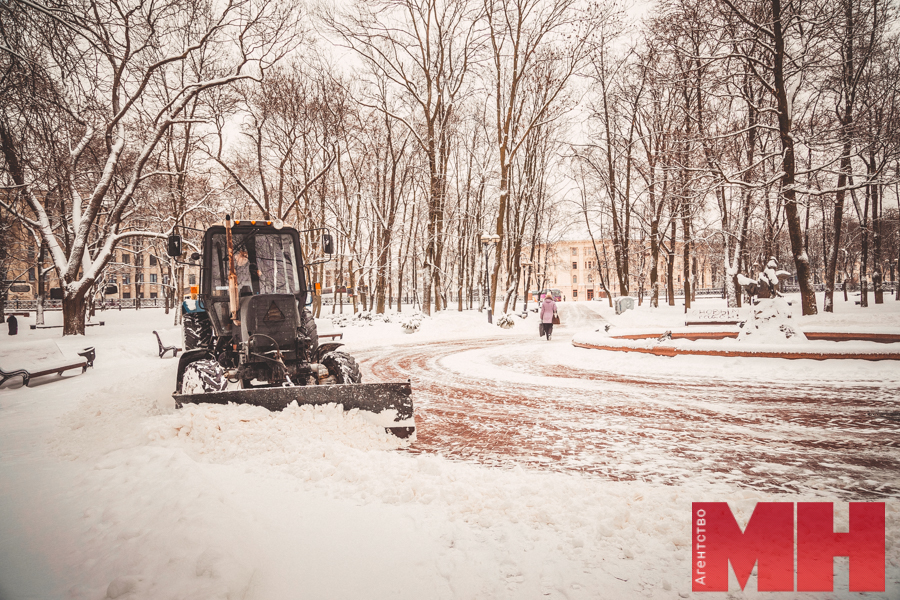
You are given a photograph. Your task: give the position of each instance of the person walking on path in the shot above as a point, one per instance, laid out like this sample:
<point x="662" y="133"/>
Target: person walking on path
<point x="548" y="315"/>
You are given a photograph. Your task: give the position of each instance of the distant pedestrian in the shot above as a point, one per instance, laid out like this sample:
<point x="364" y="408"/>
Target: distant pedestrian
<point x="548" y="315"/>
<point x="13" y="324"/>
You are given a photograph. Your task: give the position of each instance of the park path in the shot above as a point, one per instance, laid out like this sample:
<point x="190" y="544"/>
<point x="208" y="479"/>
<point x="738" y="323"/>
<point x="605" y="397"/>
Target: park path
<point x="497" y="403"/>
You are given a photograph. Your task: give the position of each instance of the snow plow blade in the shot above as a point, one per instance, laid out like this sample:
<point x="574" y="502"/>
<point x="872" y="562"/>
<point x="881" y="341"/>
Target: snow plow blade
<point x="390" y="403"/>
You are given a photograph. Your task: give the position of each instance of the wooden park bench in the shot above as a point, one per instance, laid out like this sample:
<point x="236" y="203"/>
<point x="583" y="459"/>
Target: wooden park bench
<point x="99" y="324"/>
<point x="163" y="348"/>
<point x="339" y="335"/>
<point x="34" y="359"/>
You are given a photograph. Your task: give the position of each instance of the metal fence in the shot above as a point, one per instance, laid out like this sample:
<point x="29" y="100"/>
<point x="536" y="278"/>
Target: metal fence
<point x="124" y="303"/>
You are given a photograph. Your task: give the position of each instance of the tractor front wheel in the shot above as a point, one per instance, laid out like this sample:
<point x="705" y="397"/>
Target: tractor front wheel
<point x="202" y="377"/>
<point x="342" y="367"/>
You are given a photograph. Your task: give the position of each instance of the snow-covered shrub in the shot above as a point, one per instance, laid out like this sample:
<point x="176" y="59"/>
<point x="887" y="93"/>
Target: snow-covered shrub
<point x="411" y="323"/>
<point x="368" y="318"/>
<point x="340" y="321"/>
<point x="362" y="318"/>
<point x="506" y="321"/>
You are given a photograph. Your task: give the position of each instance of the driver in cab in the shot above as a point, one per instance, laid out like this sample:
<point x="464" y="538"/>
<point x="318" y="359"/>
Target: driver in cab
<point x="242" y="268"/>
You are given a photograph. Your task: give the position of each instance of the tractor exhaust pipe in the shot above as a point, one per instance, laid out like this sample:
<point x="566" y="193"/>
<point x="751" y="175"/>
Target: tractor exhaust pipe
<point x="234" y="299"/>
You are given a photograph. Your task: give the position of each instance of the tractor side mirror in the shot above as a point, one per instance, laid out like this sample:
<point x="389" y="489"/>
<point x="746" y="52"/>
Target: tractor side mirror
<point x="195" y="256"/>
<point x="327" y="243"/>
<point x="173" y="248"/>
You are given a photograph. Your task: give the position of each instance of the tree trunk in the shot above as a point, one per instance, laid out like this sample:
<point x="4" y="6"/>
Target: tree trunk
<point x="801" y="258"/>
<point x="73" y="306"/>
<point x="686" y="260"/>
<point x="864" y="258"/>
<point x="654" y="263"/>
<point x="670" y="266"/>
<point x="831" y="265"/>
<point x="42" y="287"/>
<point x="877" y="275"/>
<point x="729" y="282"/>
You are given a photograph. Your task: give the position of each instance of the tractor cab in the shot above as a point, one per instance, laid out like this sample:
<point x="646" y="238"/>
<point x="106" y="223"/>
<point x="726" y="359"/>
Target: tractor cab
<point x="268" y="264"/>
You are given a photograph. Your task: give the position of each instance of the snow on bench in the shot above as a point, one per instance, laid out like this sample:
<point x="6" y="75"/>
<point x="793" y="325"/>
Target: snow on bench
<point x="34" y="359"/>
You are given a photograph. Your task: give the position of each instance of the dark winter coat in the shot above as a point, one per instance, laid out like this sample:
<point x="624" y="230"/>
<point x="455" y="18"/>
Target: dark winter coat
<point x="13" y="323"/>
<point x="548" y="307"/>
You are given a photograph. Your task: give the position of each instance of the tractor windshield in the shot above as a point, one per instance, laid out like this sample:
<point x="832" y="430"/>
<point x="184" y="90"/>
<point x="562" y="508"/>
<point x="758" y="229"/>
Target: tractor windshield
<point x="266" y="263"/>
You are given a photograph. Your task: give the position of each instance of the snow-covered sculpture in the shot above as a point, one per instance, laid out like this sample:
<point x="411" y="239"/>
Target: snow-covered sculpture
<point x="769" y="278"/>
<point x="751" y="286"/>
<point x="770" y="323"/>
<point x="766" y="283"/>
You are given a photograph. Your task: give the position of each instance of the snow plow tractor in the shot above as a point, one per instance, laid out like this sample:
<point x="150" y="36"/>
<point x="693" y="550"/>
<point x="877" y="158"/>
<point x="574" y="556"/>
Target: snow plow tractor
<point x="249" y="337"/>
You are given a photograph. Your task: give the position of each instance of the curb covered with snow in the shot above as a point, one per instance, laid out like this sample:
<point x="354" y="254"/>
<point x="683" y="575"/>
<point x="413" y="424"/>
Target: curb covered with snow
<point x="814" y="350"/>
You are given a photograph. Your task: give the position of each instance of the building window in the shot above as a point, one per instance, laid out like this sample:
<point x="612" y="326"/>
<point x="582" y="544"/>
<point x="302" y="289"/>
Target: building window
<point x="126" y="279"/>
<point x="574" y="251"/>
<point x="112" y="279"/>
<point x="140" y="278"/>
<point x="574" y="294"/>
<point x="153" y="260"/>
<point x="574" y="265"/>
<point x="153" y="295"/>
<point x="30" y="254"/>
<point x="152" y="277"/>
<point x="589" y="264"/>
<point x="126" y="259"/>
<point x="126" y="294"/>
<point x="165" y="280"/>
<point x="590" y="279"/>
<point x="192" y="280"/>
<point x="574" y="279"/>
<point x="31" y="274"/>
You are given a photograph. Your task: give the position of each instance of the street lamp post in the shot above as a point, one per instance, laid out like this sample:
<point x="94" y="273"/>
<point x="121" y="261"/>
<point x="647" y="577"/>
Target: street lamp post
<point x="488" y="242"/>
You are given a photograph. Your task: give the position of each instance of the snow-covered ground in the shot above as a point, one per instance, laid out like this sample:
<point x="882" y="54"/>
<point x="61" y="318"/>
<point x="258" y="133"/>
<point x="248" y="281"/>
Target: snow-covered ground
<point x="107" y="491"/>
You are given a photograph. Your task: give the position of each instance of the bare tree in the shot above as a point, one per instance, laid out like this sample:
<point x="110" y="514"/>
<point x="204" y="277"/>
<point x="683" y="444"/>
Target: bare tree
<point x="424" y="49"/>
<point x="531" y="40"/>
<point x="92" y="70"/>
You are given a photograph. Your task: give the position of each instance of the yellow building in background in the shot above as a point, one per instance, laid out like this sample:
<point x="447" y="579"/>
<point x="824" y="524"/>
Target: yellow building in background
<point x="572" y="267"/>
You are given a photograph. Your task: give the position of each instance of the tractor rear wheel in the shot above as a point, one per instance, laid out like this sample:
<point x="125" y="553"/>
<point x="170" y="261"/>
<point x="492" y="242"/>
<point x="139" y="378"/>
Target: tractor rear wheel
<point x="342" y="367"/>
<point x="196" y="331"/>
<point x="308" y="328"/>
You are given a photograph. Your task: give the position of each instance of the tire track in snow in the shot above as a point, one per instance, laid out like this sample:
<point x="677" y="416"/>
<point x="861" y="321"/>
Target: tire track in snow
<point x="510" y="408"/>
